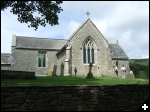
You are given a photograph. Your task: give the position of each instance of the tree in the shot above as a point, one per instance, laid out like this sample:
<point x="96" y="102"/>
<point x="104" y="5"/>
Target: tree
<point x="47" y="12"/>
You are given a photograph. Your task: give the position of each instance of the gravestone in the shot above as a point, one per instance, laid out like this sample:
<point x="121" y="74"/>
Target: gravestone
<point x="75" y="70"/>
<point x="62" y="70"/>
<point x="130" y="75"/>
<point x="90" y="75"/>
<point x="54" y="70"/>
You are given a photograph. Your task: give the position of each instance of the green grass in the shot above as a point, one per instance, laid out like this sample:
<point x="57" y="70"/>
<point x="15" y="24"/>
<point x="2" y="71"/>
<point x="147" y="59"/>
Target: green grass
<point x="69" y="80"/>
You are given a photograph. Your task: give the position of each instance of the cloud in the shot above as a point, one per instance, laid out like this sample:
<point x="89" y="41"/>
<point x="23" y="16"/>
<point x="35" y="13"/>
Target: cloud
<point x="101" y="25"/>
<point x="70" y="29"/>
<point x="126" y="21"/>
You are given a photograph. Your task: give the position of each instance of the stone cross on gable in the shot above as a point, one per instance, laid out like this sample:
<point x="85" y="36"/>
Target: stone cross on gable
<point x="117" y="42"/>
<point x="88" y="13"/>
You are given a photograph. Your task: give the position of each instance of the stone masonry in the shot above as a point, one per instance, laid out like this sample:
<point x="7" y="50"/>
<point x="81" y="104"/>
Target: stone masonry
<point x="74" y="98"/>
<point x="69" y="53"/>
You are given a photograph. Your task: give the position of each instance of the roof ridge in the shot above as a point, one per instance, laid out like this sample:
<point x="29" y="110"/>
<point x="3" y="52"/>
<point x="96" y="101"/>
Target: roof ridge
<point x="39" y="43"/>
<point x="123" y="51"/>
<point x="117" y="51"/>
<point x="41" y="38"/>
<point x="82" y="26"/>
<point x="98" y="30"/>
<point x="112" y="43"/>
<point x="5" y="53"/>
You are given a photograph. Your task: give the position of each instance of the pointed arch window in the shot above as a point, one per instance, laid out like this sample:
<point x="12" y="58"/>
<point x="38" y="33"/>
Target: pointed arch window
<point x="88" y="51"/>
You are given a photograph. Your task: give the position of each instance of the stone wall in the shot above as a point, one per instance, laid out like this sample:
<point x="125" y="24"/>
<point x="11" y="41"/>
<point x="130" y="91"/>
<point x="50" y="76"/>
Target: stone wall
<point x="102" y="64"/>
<point x="24" y="60"/>
<point x="27" y="60"/>
<point x="120" y="63"/>
<point x="61" y="60"/>
<point x="73" y="98"/>
<point x="6" y="74"/>
<point x="5" y="66"/>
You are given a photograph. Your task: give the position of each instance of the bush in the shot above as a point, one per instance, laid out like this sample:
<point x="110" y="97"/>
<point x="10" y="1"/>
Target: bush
<point x="140" y="68"/>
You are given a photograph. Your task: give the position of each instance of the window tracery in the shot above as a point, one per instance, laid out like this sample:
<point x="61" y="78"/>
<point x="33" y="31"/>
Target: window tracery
<point x="88" y="51"/>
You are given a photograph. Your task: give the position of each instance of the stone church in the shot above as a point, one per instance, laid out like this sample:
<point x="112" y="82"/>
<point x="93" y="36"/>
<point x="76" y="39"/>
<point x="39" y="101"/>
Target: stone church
<point x="86" y="45"/>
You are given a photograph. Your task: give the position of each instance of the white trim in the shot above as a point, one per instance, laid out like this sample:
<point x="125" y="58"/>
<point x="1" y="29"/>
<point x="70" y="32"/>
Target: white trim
<point x="89" y="64"/>
<point x="66" y="60"/>
<point x="90" y="56"/>
<point x="41" y="67"/>
<point x="13" y="40"/>
<point x="86" y="56"/>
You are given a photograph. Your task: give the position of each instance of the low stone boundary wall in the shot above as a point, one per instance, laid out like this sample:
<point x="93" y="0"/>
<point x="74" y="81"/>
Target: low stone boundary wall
<point x="8" y="74"/>
<point x="73" y="98"/>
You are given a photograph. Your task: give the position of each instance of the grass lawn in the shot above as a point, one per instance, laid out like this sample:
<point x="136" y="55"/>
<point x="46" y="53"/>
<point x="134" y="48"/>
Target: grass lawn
<point x="70" y="80"/>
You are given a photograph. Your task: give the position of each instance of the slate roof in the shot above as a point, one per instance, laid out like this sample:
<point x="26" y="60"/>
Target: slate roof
<point x="56" y="44"/>
<point x="5" y="58"/>
<point x="39" y="43"/>
<point x="117" y="52"/>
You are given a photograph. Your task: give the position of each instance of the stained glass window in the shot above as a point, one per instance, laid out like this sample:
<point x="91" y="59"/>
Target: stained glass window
<point x="88" y="51"/>
<point x="88" y="55"/>
<point x="84" y="55"/>
<point x="92" y="55"/>
<point x="42" y="59"/>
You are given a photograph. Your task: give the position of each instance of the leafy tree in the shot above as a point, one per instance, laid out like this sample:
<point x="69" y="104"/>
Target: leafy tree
<point x="47" y="11"/>
<point x="140" y="67"/>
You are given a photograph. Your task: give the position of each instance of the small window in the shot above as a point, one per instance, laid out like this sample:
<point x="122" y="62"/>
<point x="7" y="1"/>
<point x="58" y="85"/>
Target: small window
<point x="116" y="63"/>
<point x="42" y="59"/>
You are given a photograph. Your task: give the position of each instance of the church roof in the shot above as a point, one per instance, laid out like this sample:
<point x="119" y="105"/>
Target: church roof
<point x="39" y="43"/>
<point x="5" y="58"/>
<point x="117" y="52"/>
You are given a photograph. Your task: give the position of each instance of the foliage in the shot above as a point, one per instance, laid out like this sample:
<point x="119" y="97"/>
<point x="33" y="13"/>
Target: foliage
<point x="140" y="61"/>
<point x="70" y="80"/>
<point x="140" y="67"/>
<point x="25" y="9"/>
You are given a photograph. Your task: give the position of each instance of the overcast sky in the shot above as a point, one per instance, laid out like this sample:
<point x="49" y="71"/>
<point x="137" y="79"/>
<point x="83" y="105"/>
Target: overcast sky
<point x="127" y="22"/>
